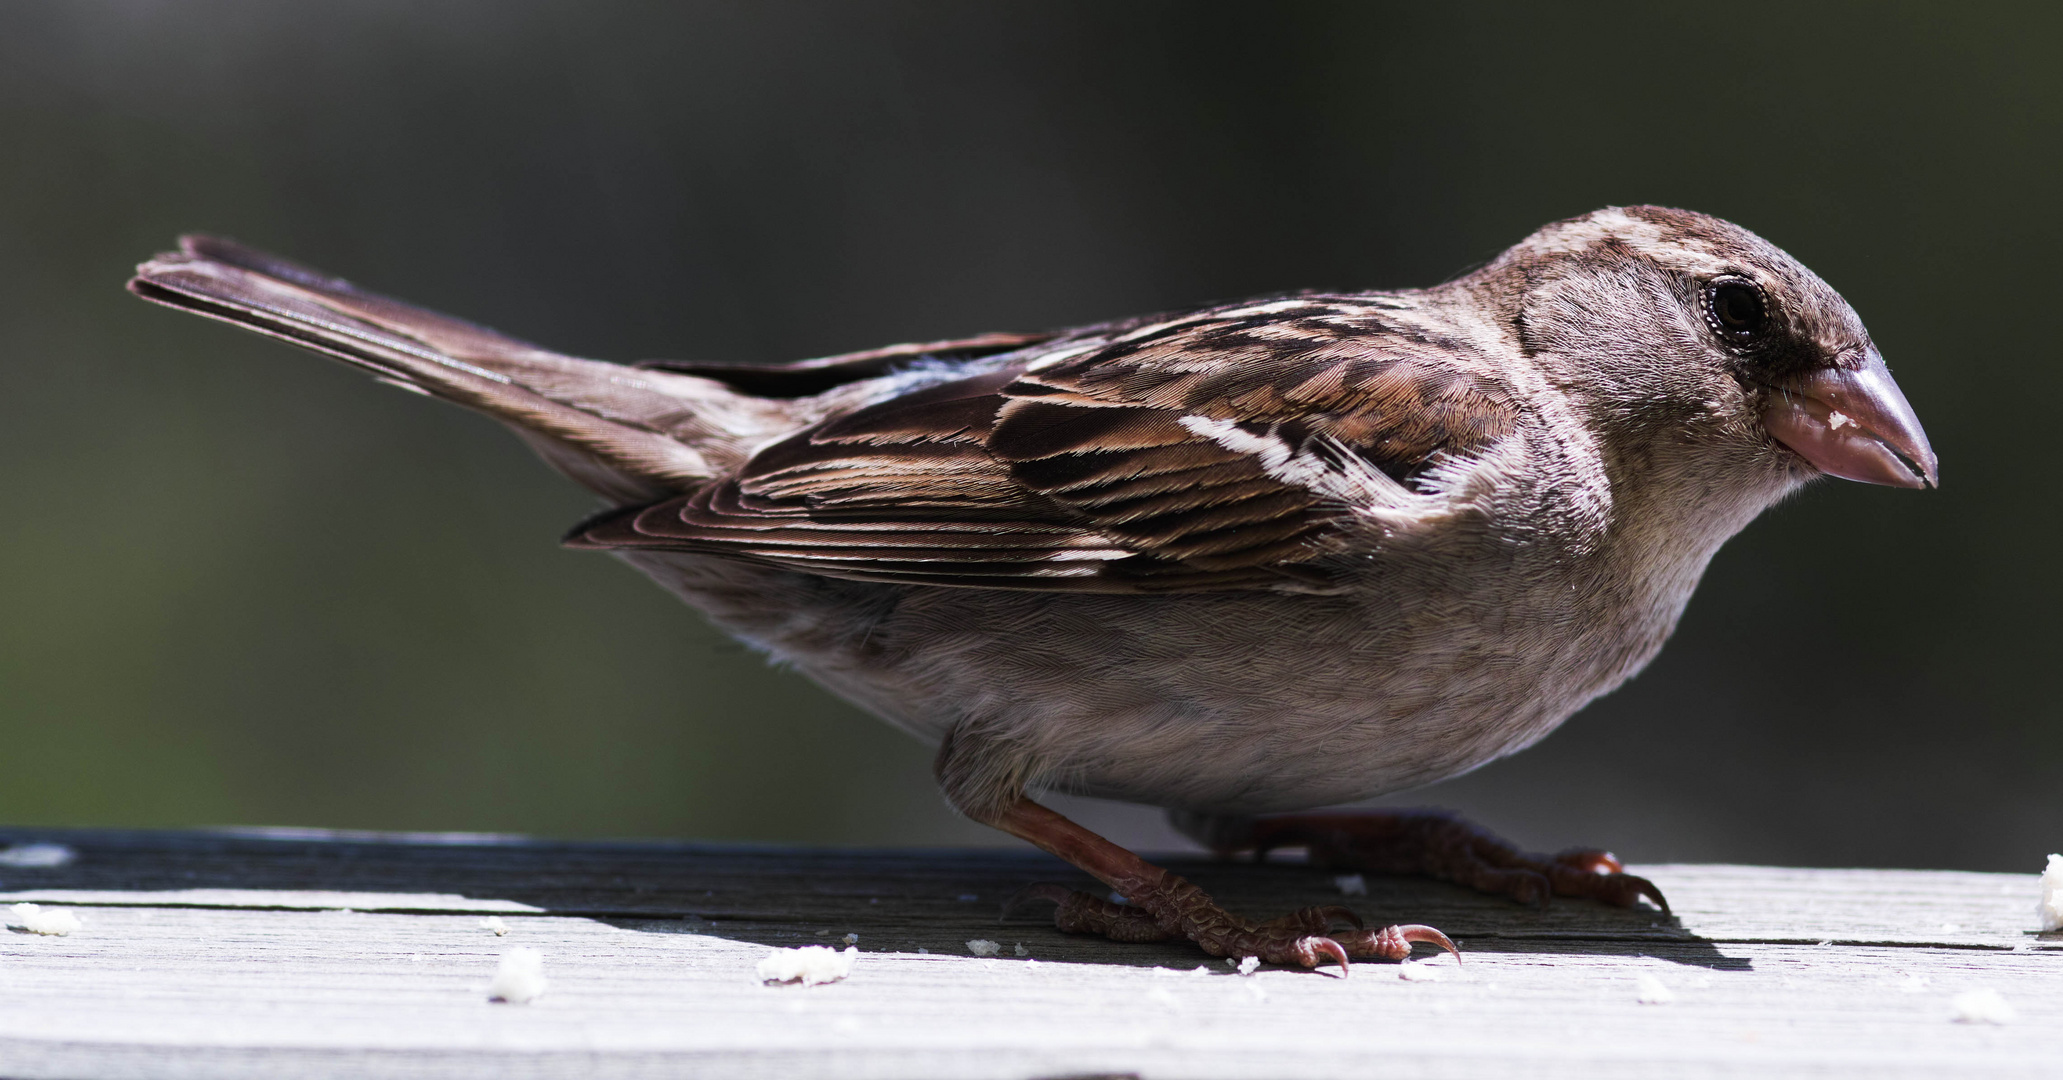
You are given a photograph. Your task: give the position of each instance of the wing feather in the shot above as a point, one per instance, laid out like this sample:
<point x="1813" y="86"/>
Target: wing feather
<point x="1208" y="451"/>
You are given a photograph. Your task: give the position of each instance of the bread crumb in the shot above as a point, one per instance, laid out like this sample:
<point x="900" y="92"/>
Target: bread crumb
<point x="1836" y="421"/>
<point x="494" y="925"/>
<point x="1649" y="990"/>
<point x="982" y="947"/>
<point x="1418" y="971"/>
<point x="852" y="939"/>
<point x="1248" y="964"/>
<point x="2050" y="910"/>
<point x="1981" y="1007"/>
<point x="1021" y="950"/>
<point x="809" y="965"/>
<point x="57" y="922"/>
<point x="519" y="978"/>
<point x="36" y="856"/>
<point x="1351" y="885"/>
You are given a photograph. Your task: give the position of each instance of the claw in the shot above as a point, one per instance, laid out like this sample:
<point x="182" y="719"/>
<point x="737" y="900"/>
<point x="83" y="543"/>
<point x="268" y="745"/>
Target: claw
<point x="1333" y="949"/>
<point x="1646" y="888"/>
<point x="1417" y="933"/>
<point x="1534" y="889"/>
<point x="1044" y="890"/>
<point x="1343" y="914"/>
<point x="1591" y="861"/>
<point x="1394" y="942"/>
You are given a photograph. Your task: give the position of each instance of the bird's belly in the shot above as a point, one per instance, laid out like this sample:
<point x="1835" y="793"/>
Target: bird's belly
<point x="1326" y="733"/>
<point x="1223" y="702"/>
<point x="1254" y="702"/>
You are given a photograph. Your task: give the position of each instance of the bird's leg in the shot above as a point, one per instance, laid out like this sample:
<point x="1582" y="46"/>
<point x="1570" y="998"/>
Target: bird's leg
<point x="1162" y="905"/>
<point x="1430" y="843"/>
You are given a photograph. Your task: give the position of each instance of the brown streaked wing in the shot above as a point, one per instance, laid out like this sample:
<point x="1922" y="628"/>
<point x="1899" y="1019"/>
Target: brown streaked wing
<point x="802" y="378"/>
<point x="1084" y="475"/>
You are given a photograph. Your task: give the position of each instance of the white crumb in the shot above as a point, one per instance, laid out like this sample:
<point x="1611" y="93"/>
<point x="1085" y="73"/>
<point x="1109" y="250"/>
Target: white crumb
<point x="852" y="939"/>
<point x="519" y="978"/>
<point x="493" y="924"/>
<point x="1649" y="990"/>
<point x="1021" y="950"/>
<point x="2050" y="910"/>
<point x="1351" y="885"/>
<point x="809" y="965"/>
<point x="1836" y="421"/>
<point x="56" y="922"/>
<point x="1418" y="971"/>
<point x="1981" y="1007"/>
<point x="1951" y="928"/>
<point x="1248" y="964"/>
<point x="983" y="947"/>
<point x="36" y="856"/>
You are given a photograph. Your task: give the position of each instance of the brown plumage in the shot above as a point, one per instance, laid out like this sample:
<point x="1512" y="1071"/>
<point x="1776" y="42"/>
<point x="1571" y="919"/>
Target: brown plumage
<point x="1259" y="556"/>
<point x="1088" y="463"/>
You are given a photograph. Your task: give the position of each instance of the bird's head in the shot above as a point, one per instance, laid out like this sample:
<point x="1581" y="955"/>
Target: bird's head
<point x="1694" y="329"/>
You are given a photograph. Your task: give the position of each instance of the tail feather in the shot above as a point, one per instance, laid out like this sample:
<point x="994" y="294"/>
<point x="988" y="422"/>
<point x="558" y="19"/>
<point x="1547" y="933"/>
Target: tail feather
<point x="630" y="434"/>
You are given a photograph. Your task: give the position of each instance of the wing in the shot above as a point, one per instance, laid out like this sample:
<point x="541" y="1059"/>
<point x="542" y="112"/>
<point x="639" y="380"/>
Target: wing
<point x="1231" y="448"/>
<point x="802" y="378"/>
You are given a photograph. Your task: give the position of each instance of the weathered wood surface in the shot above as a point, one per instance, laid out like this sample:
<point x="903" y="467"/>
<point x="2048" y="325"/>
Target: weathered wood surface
<point x="317" y="955"/>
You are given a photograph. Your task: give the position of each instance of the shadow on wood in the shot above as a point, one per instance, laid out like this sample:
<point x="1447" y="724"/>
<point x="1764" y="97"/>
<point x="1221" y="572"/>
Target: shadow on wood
<point x="900" y="901"/>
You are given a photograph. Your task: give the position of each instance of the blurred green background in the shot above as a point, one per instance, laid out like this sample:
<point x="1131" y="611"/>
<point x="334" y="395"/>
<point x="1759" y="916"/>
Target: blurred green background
<point x="247" y="586"/>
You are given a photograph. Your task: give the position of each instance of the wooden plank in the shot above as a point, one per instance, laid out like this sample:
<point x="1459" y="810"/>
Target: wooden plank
<point x="228" y="955"/>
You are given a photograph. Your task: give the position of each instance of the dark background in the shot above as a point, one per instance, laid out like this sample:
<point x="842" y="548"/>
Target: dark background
<point x="243" y="585"/>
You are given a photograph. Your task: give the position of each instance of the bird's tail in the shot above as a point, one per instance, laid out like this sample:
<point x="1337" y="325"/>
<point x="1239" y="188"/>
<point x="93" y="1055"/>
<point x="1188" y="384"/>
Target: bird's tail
<point x="629" y="434"/>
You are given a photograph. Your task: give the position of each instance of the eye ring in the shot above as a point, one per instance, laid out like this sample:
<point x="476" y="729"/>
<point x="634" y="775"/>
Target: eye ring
<point x="1736" y="310"/>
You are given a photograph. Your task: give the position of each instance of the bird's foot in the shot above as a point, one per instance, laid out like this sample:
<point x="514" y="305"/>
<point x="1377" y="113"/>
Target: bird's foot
<point x="1431" y="843"/>
<point x="1173" y="907"/>
<point x="1160" y="906"/>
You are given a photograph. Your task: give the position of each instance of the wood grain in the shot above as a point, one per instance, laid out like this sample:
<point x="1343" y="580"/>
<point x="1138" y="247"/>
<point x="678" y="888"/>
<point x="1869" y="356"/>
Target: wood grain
<point x="233" y="954"/>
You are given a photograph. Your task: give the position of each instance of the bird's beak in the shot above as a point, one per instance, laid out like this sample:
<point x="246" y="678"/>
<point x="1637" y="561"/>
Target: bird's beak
<point x="1854" y="424"/>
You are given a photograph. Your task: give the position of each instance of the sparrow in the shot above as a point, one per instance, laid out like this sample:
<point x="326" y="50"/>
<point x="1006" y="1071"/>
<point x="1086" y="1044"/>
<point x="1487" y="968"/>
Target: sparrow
<point x="1240" y="561"/>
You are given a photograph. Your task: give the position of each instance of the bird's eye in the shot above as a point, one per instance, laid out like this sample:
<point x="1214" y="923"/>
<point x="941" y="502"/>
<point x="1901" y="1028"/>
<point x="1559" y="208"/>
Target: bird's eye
<point x="1736" y="310"/>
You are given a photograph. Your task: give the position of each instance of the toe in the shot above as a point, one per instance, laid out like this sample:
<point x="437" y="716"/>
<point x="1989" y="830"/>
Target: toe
<point x="1315" y="950"/>
<point x="1590" y="861"/>
<point x="1044" y="890"/>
